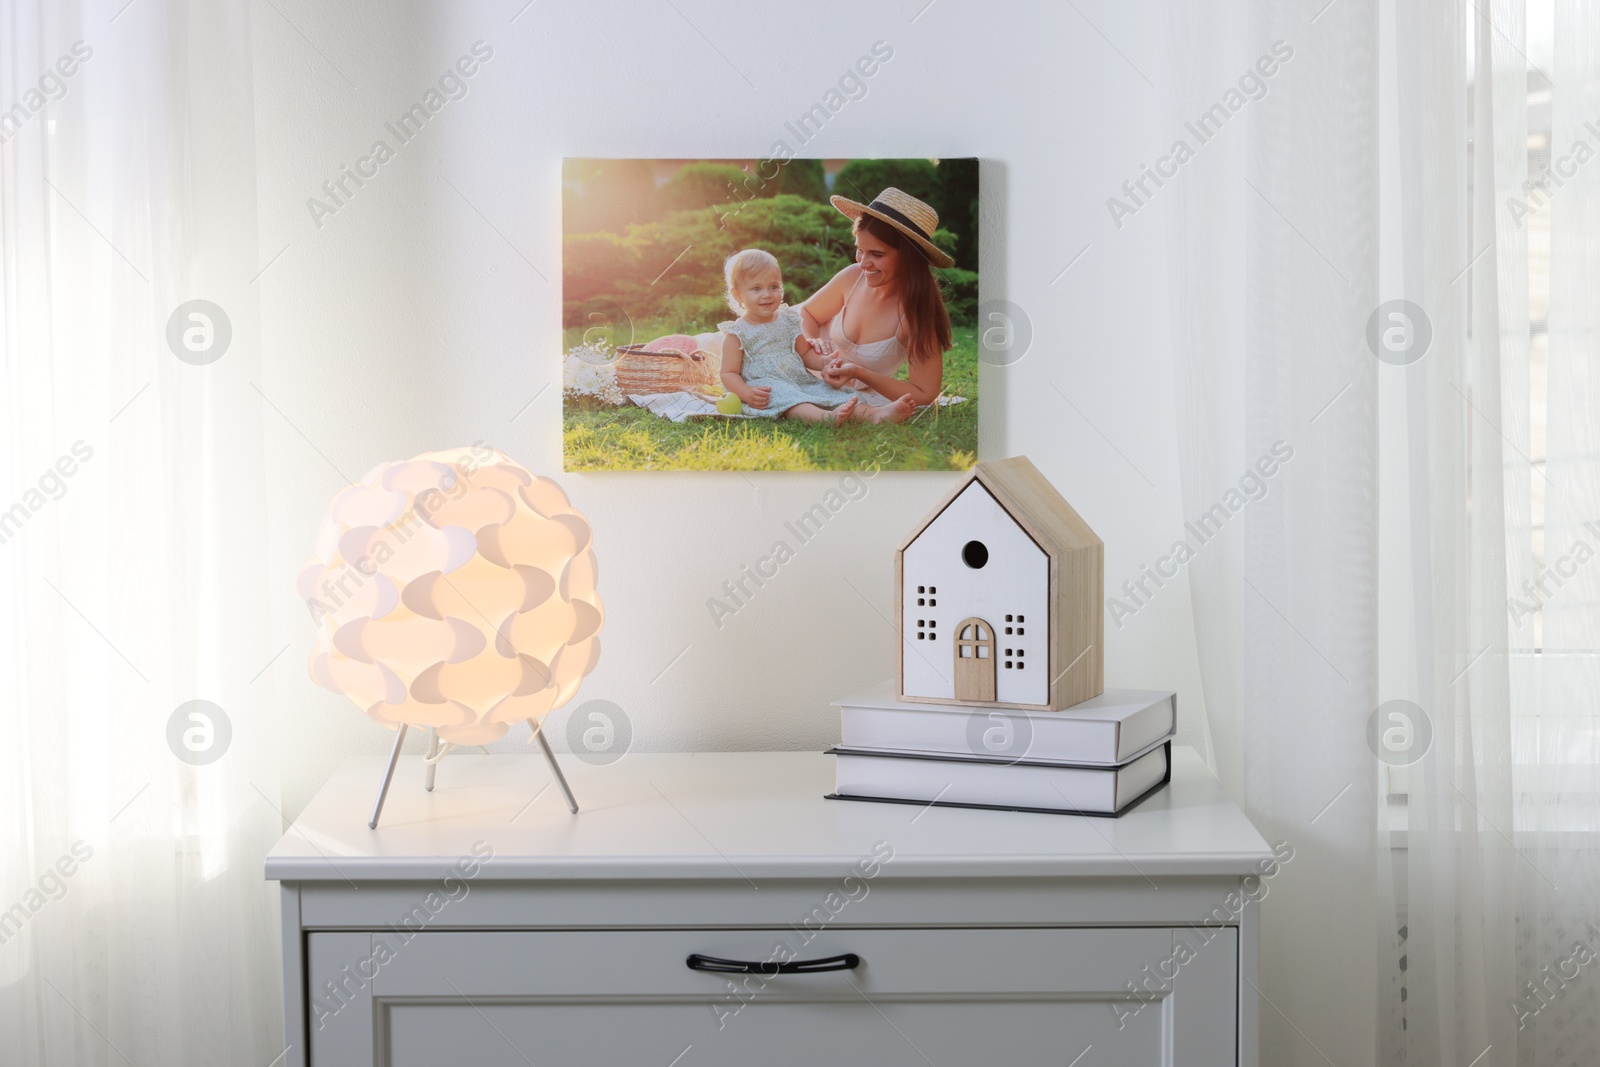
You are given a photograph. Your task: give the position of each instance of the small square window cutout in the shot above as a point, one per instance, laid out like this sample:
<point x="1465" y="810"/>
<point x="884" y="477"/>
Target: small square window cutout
<point x="1008" y="665"/>
<point x="932" y="589"/>
<point x="1008" y="629"/>
<point x="921" y="602"/>
<point x="1008" y="618"/>
<point x="932" y="603"/>
<point x="921" y="590"/>
<point x="1020" y="631"/>
<point x="1019" y="618"/>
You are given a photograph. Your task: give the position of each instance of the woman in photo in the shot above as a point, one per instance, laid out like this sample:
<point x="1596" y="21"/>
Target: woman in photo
<point x="885" y="310"/>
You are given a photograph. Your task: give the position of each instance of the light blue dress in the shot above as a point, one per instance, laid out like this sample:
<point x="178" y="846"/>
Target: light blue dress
<point x="770" y="360"/>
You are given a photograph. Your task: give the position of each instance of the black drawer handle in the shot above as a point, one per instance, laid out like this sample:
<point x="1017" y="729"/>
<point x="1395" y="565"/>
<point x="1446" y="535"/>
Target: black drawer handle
<point x="849" y="961"/>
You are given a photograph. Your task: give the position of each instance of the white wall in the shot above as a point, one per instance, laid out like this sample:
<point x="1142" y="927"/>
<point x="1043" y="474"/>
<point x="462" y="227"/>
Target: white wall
<point x="426" y="313"/>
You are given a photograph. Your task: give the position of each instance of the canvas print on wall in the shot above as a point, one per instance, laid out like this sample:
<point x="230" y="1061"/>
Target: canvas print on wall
<point x="770" y="314"/>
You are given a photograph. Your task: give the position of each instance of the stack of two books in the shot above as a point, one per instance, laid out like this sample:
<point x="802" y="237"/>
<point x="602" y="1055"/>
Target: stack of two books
<point x="1099" y="757"/>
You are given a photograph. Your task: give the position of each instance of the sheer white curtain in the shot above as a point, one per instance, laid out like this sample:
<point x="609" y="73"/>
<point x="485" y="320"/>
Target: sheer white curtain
<point x="1461" y="140"/>
<point x="1558" y="786"/>
<point x="1495" y="883"/>
<point x="135" y="926"/>
<point x="1273" y="227"/>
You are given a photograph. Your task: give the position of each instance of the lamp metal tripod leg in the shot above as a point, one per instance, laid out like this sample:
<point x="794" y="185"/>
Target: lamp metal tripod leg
<point x="555" y="768"/>
<point x="388" y="776"/>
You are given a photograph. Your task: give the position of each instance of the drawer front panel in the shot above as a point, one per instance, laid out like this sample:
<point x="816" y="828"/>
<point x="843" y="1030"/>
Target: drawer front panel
<point x="941" y="996"/>
<point x="652" y="962"/>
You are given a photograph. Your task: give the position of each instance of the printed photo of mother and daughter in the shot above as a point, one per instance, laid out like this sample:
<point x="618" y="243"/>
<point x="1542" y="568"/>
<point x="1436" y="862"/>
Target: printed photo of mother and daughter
<point x="852" y="340"/>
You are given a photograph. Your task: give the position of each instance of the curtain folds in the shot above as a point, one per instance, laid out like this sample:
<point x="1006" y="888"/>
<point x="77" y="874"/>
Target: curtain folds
<point x="1273" y="273"/>
<point x="1445" y="497"/>
<point x="1463" y="137"/>
<point x="135" y="925"/>
<point x="1495" y="879"/>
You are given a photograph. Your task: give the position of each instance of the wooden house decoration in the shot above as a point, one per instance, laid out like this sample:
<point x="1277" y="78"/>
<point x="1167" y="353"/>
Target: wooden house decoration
<point x="999" y="592"/>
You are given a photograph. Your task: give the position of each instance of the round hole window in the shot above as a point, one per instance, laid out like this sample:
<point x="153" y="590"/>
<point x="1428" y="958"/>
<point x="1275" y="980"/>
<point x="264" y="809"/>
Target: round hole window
<point x="975" y="554"/>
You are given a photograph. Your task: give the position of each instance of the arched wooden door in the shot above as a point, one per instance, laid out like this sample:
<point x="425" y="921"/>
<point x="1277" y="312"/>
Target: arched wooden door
<point x="974" y="654"/>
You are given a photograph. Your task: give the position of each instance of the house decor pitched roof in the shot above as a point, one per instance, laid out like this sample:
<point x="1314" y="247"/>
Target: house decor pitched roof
<point x="1029" y="498"/>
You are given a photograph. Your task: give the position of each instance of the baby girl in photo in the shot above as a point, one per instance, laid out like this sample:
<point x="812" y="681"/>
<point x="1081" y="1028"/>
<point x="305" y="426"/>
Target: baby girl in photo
<point x="765" y="354"/>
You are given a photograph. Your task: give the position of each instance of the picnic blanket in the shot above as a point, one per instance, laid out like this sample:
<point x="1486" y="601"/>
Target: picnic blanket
<point x="681" y="406"/>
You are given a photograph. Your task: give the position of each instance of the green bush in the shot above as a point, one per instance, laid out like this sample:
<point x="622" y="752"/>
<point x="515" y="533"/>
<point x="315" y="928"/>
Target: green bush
<point x="955" y="198"/>
<point x="698" y="185"/>
<point x="960" y="288"/>
<point x="799" y="177"/>
<point x="593" y="264"/>
<point x="945" y="241"/>
<point x="863" y="179"/>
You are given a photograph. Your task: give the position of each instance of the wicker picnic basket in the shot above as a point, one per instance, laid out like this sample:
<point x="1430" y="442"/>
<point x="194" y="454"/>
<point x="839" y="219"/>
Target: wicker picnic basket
<point x="642" y="370"/>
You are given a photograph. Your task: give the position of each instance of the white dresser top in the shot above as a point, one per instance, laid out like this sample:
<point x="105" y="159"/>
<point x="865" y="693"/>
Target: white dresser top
<point x="755" y="815"/>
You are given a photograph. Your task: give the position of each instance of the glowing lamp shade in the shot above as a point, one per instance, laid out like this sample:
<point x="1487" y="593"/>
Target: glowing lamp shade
<point x="456" y="591"/>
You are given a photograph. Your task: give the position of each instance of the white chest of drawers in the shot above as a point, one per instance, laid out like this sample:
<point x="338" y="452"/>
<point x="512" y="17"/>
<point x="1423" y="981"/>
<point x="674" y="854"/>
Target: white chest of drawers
<point x="482" y="924"/>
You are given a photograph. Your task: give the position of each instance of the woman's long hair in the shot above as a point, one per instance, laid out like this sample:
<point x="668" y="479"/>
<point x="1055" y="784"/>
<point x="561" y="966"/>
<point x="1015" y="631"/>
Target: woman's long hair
<point x="927" y="320"/>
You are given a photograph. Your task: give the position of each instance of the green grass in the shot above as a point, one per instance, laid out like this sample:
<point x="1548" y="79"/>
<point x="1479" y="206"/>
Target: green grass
<point x="599" y="437"/>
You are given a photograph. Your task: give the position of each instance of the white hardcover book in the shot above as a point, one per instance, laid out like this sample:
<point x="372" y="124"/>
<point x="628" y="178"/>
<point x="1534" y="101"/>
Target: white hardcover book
<point x="1105" y="731"/>
<point x="987" y="784"/>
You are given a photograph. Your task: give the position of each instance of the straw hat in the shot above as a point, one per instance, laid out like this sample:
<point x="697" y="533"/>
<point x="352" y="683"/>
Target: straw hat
<point x="905" y="213"/>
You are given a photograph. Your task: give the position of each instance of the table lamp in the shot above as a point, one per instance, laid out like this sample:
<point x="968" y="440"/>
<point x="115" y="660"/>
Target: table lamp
<point x="454" y="591"/>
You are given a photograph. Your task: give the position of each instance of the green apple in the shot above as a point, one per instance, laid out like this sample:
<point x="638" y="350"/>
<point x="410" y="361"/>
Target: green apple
<point x="730" y="405"/>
